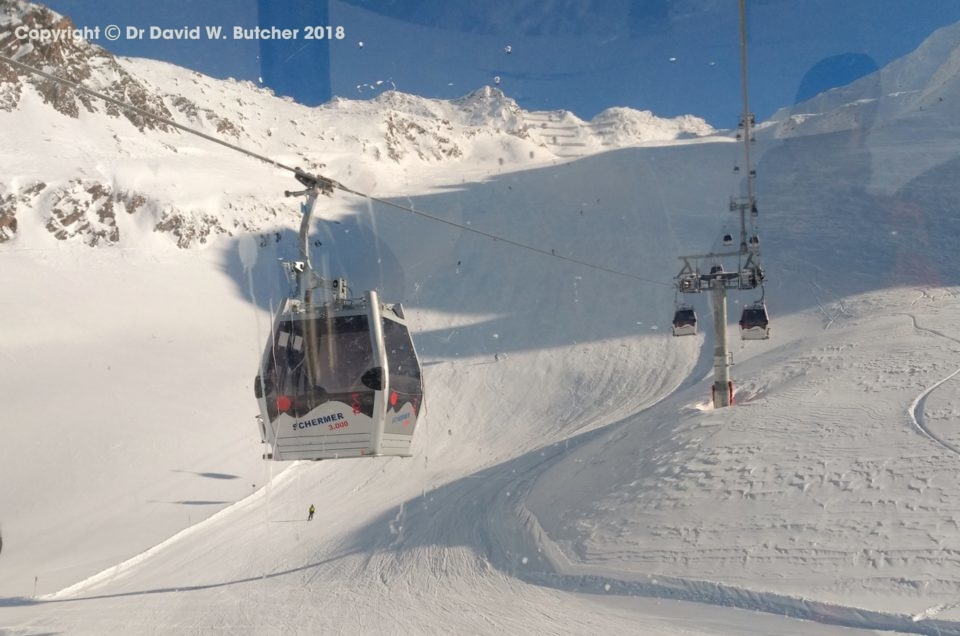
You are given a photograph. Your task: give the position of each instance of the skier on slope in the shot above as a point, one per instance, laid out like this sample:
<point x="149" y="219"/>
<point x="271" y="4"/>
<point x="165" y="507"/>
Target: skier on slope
<point x="312" y="510"/>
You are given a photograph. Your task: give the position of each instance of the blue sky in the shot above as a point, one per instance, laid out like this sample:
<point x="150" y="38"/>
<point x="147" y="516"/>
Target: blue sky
<point x="669" y="56"/>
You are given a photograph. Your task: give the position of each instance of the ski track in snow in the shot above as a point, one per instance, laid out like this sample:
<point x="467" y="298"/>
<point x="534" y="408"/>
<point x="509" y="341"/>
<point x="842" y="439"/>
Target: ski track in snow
<point x="916" y="408"/>
<point x="916" y="414"/>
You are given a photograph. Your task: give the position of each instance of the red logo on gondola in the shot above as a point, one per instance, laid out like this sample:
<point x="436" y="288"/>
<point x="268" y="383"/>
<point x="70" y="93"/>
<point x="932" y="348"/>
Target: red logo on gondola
<point x="357" y="409"/>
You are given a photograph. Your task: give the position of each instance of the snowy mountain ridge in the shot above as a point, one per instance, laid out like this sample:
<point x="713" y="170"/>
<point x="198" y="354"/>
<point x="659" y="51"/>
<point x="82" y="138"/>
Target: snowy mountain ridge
<point x="924" y="84"/>
<point x="485" y="127"/>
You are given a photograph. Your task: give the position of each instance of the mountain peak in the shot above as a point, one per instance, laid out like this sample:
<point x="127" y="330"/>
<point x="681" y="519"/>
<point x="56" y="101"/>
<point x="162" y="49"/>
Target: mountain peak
<point x="488" y="103"/>
<point x="485" y="93"/>
<point x="73" y="59"/>
<point x="643" y="125"/>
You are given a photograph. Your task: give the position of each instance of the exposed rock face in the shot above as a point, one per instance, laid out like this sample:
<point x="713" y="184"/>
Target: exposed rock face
<point x="10" y="202"/>
<point x="193" y="112"/>
<point x="72" y="59"/>
<point x="189" y="229"/>
<point x="84" y="210"/>
<point x="406" y="135"/>
<point x="87" y="210"/>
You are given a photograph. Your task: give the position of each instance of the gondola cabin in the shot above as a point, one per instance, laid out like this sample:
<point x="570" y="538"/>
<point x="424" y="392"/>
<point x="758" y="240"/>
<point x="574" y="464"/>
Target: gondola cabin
<point x="754" y="322"/>
<point x="339" y="380"/>
<point x="684" y="321"/>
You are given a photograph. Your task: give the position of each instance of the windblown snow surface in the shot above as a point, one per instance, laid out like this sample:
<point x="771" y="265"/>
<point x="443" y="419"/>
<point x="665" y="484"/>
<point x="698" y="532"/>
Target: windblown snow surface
<point x="569" y="476"/>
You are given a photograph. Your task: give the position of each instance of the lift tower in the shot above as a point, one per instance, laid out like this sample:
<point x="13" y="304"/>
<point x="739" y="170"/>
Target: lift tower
<point x="748" y="274"/>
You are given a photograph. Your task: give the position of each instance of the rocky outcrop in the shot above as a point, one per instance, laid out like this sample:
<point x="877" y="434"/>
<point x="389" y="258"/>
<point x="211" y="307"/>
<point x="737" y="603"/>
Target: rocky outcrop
<point x="189" y="229"/>
<point x="74" y="60"/>
<point x="9" y="205"/>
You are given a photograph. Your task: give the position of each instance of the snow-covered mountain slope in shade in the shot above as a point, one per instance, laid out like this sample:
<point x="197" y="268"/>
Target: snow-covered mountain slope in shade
<point x="568" y="465"/>
<point x="922" y="86"/>
<point x="916" y="96"/>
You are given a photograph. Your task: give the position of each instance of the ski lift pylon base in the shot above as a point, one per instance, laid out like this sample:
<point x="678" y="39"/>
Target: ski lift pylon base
<point x="713" y="393"/>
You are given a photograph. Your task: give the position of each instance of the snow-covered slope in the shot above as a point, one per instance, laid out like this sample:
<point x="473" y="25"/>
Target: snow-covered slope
<point x="568" y="465"/>
<point x="921" y="86"/>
